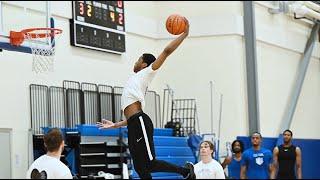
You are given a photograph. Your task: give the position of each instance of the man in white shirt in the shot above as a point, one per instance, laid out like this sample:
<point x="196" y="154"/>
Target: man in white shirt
<point x="49" y="166"/>
<point x="140" y="127"/>
<point x="208" y="168"/>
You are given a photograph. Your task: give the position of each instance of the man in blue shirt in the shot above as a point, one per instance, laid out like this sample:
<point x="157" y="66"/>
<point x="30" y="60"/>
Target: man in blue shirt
<point x="256" y="162"/>
<point x="233" y="161"/>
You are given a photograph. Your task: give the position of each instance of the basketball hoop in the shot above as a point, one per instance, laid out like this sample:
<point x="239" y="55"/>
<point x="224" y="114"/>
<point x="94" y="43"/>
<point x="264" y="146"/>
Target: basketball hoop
<point x="43" y="55"/>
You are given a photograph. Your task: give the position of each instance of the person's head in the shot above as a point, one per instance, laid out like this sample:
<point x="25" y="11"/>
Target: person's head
<point x="237" y="146"/>
<point x="53" y="140"/>
<point x="287" y="136"/>
<point x="256" y="139"/>
<point x="144" y="61"/>
<point x="206" y="149"/>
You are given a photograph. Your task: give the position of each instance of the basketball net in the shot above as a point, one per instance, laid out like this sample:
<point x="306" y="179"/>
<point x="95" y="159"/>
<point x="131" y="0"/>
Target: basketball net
<point x="42" y="58"/>
<point x="42" y="42"/>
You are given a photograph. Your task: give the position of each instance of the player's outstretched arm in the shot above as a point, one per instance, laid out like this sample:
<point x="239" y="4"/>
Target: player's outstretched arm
<point x="170" y="48"/>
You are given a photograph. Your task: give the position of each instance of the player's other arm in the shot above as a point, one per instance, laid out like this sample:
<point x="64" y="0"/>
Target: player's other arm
<point x="275" y="164"/>
<point x="243" y="172"/>
<point x="107" y="124"/>
<point x="243" y="163"/>
<point x="226" y="162"/>
<point x="170" y="48"/>
<point x="298" y="163"/>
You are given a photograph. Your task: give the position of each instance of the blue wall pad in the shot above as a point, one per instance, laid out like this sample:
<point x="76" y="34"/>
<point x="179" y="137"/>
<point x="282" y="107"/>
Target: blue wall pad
<point x="170" y="141"/>
<point x="93" y="130"/>
<point x="173" y="151"/>
<point x="63" y="130"/>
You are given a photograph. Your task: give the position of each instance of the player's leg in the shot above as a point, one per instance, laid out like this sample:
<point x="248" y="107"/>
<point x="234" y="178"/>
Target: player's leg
<point x="137" y="148"/>
<point x="159" y="165"/>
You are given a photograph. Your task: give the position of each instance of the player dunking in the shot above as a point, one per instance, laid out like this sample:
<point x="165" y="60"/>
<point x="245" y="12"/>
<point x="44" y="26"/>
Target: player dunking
<point x="140" y="127"/>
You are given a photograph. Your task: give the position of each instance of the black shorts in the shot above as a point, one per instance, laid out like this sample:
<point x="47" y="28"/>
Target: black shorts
<point x="140" y="140"/>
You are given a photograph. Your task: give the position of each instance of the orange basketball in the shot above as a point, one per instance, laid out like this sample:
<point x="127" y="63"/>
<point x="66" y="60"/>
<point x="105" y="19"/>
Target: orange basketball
<point x="175" y="24"/>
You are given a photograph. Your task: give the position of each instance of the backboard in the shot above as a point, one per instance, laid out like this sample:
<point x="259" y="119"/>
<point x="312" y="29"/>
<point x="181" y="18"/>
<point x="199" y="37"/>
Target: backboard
<point x="18" y="15"/>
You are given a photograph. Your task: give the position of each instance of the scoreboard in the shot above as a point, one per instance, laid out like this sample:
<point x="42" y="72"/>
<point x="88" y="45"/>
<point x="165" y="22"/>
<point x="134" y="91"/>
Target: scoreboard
<point x="98" y="25"/>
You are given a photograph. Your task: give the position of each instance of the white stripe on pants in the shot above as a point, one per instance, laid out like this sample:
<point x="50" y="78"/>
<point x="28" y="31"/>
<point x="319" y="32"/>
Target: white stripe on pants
<point x="146" y="138"/>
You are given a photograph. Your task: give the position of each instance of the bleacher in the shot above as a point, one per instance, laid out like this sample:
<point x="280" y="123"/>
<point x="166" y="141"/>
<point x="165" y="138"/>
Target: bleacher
<point x="76" y="107"/>
<point x="169" y="148"/>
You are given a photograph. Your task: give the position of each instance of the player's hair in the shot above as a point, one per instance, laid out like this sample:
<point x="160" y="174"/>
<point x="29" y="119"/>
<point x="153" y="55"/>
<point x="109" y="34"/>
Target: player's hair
<point x="210" y="144"/>
<point x="241" y="145"/>
<point x="148" y="58"/>
<point x="287" y="130"/>
<point x="53" y="140"/>
<point x="256" y="133"/>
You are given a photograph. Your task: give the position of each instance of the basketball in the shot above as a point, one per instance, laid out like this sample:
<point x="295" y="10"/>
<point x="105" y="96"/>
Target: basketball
<point x="175" y="24"/>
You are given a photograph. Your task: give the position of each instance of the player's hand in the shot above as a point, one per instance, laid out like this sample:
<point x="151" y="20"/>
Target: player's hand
<point x="106" y="124"/>
<point x="186" y="30"/>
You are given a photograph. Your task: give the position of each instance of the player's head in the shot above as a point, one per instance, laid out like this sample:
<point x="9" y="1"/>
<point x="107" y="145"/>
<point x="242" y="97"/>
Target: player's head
<point x="287" y="136"/>
<point x="144" y="61"/>
<point x="53" y="140"/>
<point x="256" y="139"/>
<point x="237" y="146"/>
<point x="206" y="149"/>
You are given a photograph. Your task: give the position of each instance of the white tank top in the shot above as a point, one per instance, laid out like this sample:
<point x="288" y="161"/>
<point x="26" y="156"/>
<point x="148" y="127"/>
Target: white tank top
<point x="136" y="87"/>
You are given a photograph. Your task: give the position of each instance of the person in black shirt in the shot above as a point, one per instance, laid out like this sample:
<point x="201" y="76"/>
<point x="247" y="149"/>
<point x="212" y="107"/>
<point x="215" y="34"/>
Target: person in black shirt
<point x="287" y="159"/>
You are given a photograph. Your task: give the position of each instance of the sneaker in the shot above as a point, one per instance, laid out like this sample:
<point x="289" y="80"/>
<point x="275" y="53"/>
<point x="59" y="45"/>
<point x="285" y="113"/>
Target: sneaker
<point x="191" y="174"/>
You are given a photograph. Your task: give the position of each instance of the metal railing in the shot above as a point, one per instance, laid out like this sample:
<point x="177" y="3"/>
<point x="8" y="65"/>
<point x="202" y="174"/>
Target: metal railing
<point x="183" y="113"/>
<point x="82" y="103"/>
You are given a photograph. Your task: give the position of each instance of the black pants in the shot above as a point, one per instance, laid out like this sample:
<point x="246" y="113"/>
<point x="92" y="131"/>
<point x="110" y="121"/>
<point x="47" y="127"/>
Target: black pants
<point x="140" y="139"/>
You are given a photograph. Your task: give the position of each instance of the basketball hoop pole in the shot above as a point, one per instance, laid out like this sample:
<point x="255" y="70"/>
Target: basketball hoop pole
<point x="48" y="14"/>
<point x="50" y="23"/>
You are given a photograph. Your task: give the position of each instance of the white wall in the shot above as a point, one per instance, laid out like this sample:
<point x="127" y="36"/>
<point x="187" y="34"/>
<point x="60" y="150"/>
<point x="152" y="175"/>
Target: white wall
<point x="214" y="51"/>
<point x="71" y="63"/>
<point x="279" y="50"/>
